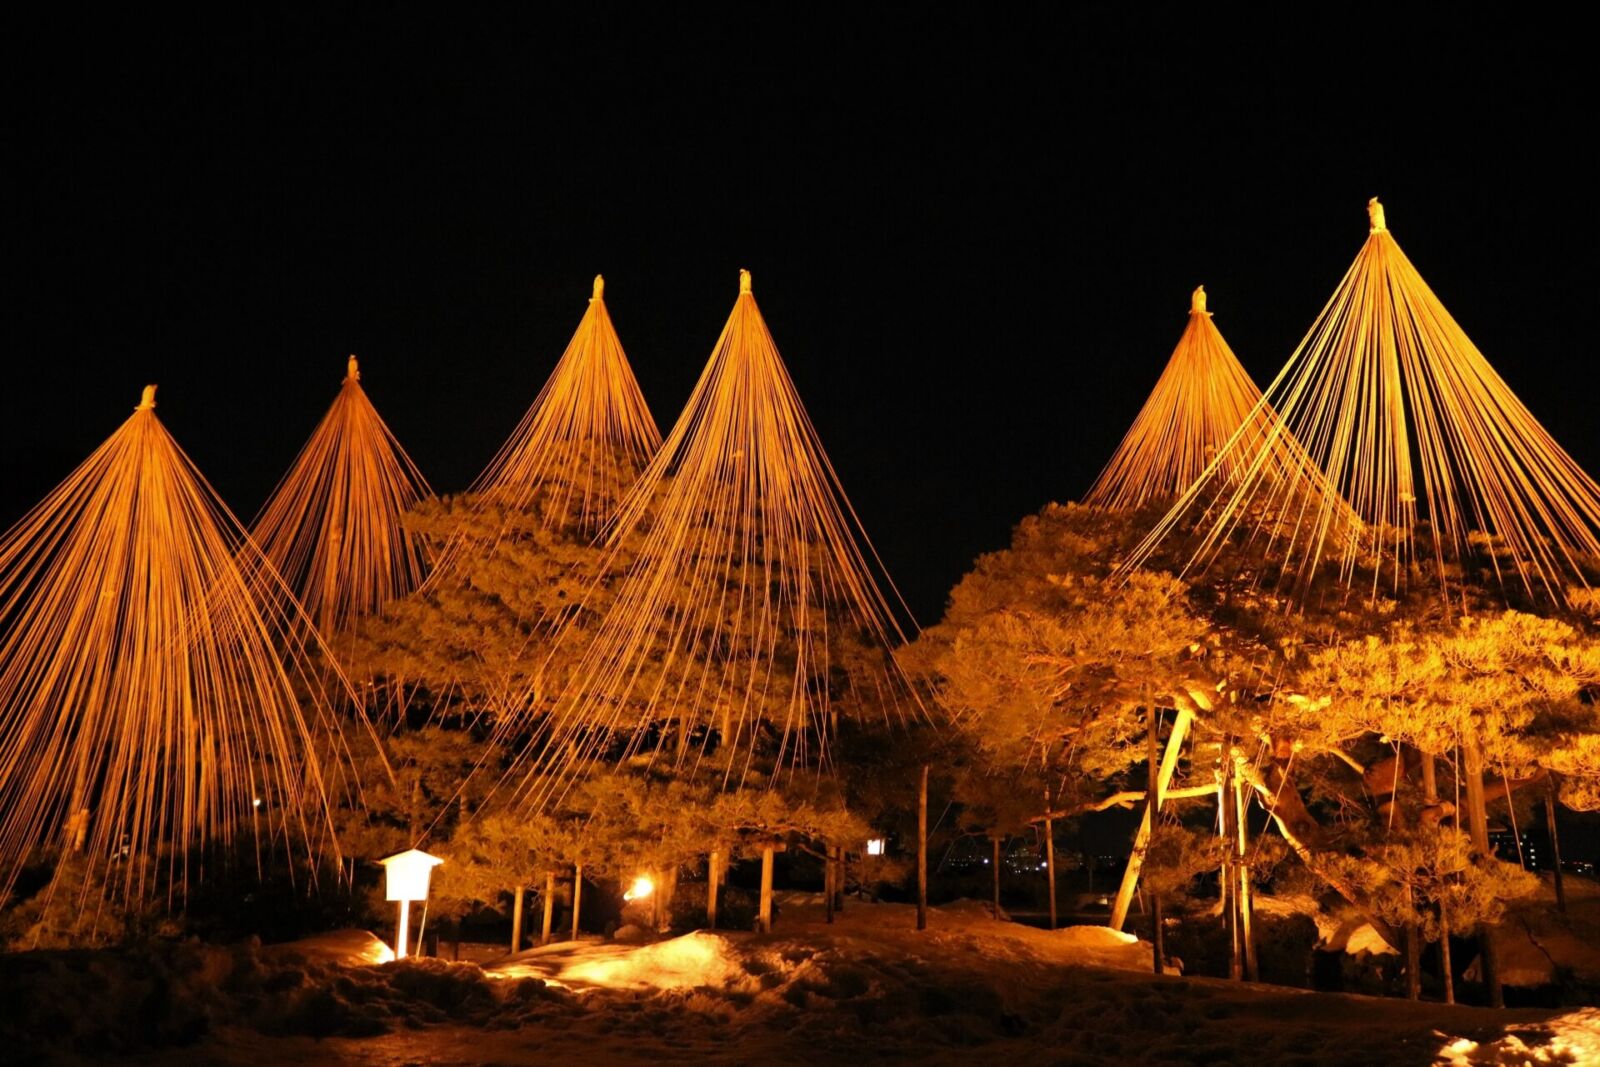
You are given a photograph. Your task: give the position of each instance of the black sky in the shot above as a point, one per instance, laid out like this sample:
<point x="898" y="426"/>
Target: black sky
<point x="973" y="240"/>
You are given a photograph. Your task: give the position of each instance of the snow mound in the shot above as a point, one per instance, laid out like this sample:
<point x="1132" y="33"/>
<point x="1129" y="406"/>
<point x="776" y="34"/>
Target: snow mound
<point x="1104" y="947"/>
<point x="352" y="948"/>
<point x="687" y="962"/>
<point x="1569" y="1039"/>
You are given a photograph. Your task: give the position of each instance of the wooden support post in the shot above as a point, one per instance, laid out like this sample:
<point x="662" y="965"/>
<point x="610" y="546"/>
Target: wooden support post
<point x="838" y="878"/>
<point x="1241" y="821"/>
<point x="402" y="930"/>
<point x="1158" y="933"/>
<point x="1445" y="964"/>
<point x="516" y="918"/>
<point x="1169" y="764"/>
<point x="1230" y="866"/>
<point x="713" y="877"/>
<point x="764" y="919"/>
<point x="577" y="896"/>
<point x="1050" y="858"/>
<point x="1413" y="954"/>
<point x="549" y="906"/>
<point x="922" y="851"/>
<point x="995" y="843"/>
<point x="1555" y="844"/>
<point x="1478" y="819"/>
<point x="827" y="881"/>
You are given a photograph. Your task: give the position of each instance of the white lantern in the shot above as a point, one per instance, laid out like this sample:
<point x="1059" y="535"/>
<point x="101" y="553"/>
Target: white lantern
<point x="408" y="874"/>
<point x="875" y="846"/>
<point x="406" y="877"/>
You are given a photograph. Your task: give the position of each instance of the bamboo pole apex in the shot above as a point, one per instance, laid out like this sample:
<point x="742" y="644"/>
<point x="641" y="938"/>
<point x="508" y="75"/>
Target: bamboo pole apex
<point x="352" y="370"/>
<point x="1375" y="215"/>
<point x="744" y="282"/>
<point x="147" y="400"/>
<point x="599" y="288"/>
<point x="1197" y="301"/>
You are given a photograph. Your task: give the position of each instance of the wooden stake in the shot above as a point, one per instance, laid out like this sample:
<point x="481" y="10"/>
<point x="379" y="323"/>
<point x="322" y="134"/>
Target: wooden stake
<point x="1413" y="954"/>
<point x="995" y="842"/>
<point x="1230" y="868"/>
<point x="764" y="919"/>
<point x="516" y="919"/>
<point x="549" y="906"/>
<point x="577" y="896"/>
<point x="838" y="878"/>
<point x="1169" y="764"/>
<point x="1158" y="934"/>
<point x="1050" y="857"/>
<point x="1478" y="818"/>
<point x="827" y="881"/>
<point x="922" y="851"/>
<point x="1444" y="960"/>
<point x="713" y="875"/>
<point x="1555" y="845"/>
<point x="1241" y="821"/>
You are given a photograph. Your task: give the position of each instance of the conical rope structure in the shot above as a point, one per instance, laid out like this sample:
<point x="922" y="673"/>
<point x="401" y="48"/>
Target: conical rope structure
<point x="750" y="603"/>
<point x="333" y="525"/>
<point x="581" y="445"/>
<point x="156" y="693"/>
<point x="1437" y="456"/>
<point x="1202" y="397"/>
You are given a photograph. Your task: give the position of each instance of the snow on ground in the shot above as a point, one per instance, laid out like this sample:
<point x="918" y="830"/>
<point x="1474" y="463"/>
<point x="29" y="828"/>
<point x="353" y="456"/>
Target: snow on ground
<point x="870" y="987"/>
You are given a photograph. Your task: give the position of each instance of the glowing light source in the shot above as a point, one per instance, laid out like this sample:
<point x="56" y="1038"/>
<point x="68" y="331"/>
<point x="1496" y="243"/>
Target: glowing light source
<point x="406" y="878"/>
<point x="642" y="887"/>
<point x="875" y="846"/>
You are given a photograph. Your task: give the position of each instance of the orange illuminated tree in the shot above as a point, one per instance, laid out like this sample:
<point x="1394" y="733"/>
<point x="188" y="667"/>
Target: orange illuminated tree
<point x="1202" y="397"/>
<point x="750" y="609"/>
<point x="333" y="525"/>
<point x="1444" y="467"/>
<point x="156" y="692"/>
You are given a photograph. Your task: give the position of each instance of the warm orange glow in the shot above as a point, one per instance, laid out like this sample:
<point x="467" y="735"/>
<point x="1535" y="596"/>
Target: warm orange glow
<point x="332" y="526"/>
<point x="156" y="695"/>
<point x="1412" y="426"/>
<point x="641" y="889"/>
<point x="742" y="553"/>
<point x="1202" y="397"/>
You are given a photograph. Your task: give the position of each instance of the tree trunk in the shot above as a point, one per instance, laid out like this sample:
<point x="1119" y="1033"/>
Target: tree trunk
<point x="1555" y="845"/>
<point x="1247" y="934"/>
<point x="1050" y="858"/>
<point x="516" y="919"/>
<point x="838" y="878"/>
<point x="1169" y="764"/>
<point x="1413" y="955"/>
<point x="1478" y="818"/>
<point x="827" y="881"/>
<point x="713" y="876"/>
<point x="764" y="919"/>
<point x="995" y="842"/>
<point x="1445" y="965"/>
<point x="922" y="851"/>
<point x="577" y="896"/>
<point x="549" y="906"/>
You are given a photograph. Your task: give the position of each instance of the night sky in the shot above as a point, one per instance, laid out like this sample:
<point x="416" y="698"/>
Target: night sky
<point x="973" y="242"/>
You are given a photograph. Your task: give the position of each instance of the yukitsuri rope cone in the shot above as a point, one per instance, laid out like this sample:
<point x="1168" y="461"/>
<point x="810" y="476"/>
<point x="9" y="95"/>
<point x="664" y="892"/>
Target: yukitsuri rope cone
<point x="333" y="525"/>
<point x="1440" y="460"/>
<point x="156" y="693"/>
<point x="581" y="445"/>
<point x="752" y="609"/>
<point x="1202" y="397"/>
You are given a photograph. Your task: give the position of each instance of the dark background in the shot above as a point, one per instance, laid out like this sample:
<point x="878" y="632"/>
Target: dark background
<point x="974" y="238"/>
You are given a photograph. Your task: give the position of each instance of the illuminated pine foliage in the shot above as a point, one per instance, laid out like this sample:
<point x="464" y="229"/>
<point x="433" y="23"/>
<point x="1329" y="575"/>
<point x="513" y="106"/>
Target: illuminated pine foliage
<point x="751" y="603"/>
<point x="1202" y="397"/>
<point x="584" y="440"/>
<point x="1413" y="427"/>
<point x="332" y="527"/>
<point x="155" y="692"/>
